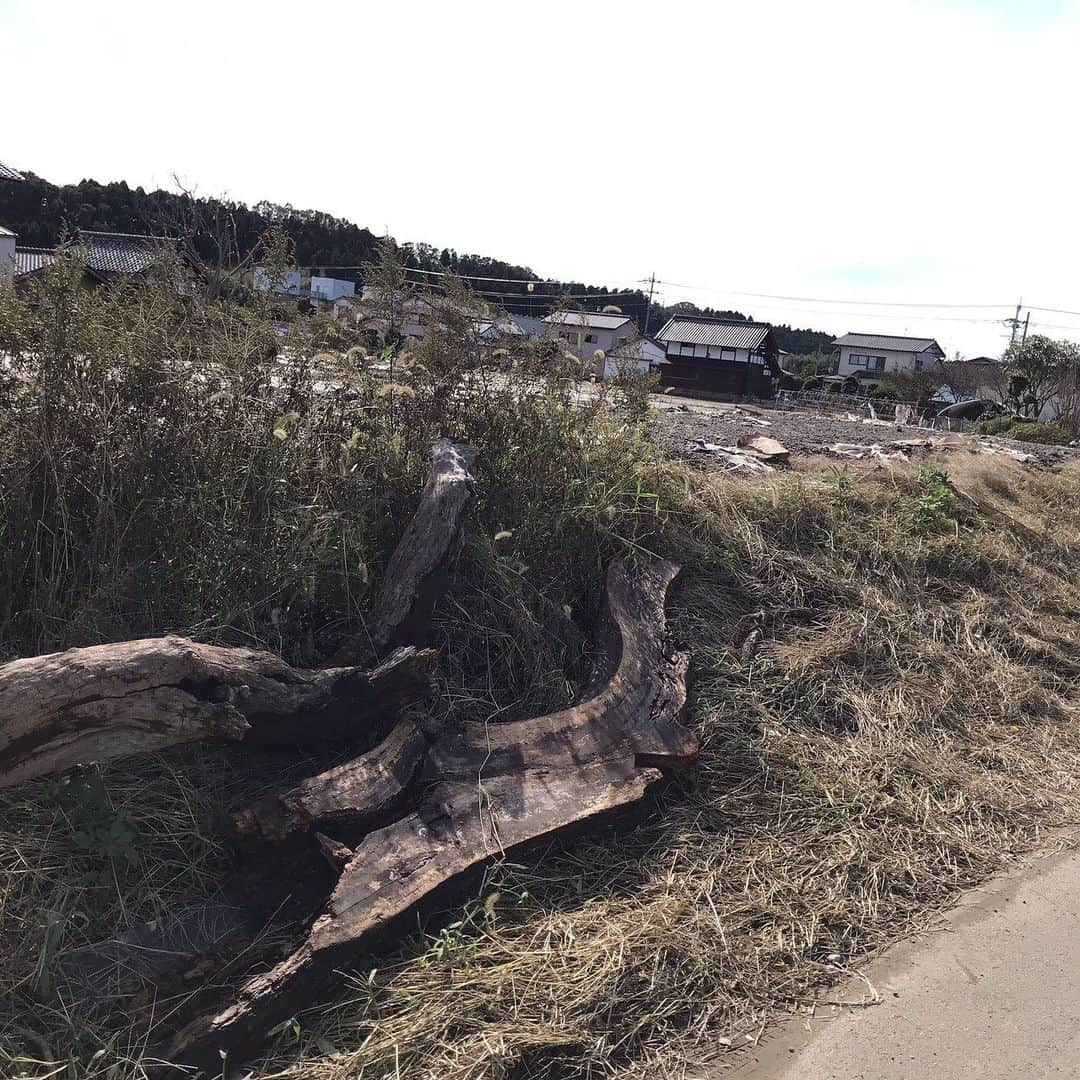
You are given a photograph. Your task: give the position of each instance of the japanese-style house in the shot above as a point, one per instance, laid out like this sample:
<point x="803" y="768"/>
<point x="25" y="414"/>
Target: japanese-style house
<point x="726" y="357"/>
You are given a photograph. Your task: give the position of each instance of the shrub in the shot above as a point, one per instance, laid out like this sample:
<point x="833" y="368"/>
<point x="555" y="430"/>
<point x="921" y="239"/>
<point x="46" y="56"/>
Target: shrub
<point x="1024" y="430"/>
<point x="996" y="425"/>
<point x="170" y="463"/>
<point x="1040" y="431"/>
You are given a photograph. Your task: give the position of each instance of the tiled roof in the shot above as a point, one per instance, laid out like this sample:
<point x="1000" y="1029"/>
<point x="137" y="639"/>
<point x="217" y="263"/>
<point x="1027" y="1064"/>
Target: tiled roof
<point x="594" y="320"/>
<point x="9" y="174"/>
<point x="726" y="334"/>
<point x="5" y="232"/>
<point x="118" y="253"/>
<point x="889" y="341"/>
<point x="31" y="260"/>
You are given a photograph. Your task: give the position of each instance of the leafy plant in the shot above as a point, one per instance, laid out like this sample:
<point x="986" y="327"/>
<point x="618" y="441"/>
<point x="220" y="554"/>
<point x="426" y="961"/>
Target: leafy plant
<point x="938" y="503"/>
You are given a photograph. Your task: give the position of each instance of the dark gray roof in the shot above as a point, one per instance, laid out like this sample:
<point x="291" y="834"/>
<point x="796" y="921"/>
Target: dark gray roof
<point x="9" y="174"/>
<point x="31" y="260"/>
<point x="118" y="253"/>
<point x="890" y="341"/>
<point x="725" y="333"/>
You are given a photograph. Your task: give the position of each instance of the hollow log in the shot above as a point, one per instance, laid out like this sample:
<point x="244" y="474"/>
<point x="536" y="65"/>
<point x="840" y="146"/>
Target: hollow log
<point x="481" y="792"/>
<point x="417" y="573"/>
<point x="110" y="701"/>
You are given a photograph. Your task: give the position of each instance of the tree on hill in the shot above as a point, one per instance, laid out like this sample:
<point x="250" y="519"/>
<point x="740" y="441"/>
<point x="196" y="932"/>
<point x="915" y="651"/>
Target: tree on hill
<point x="43" y="214"/>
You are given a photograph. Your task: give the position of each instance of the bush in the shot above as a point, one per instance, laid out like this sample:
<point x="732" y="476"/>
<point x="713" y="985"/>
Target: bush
<point x="1024" y="430"/>
<point x="996" y="425"/>
<point x="164" y="467"/>
<point x="1039" y="431"/>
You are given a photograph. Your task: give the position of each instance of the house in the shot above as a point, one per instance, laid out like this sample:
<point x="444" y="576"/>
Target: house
<point x="869" y="356"/>
<point x="7" y="237"/>
<point x="584" y="333"/>
<point x="327" y="289"/>
<point x="108" y="256"/>
<point x="719" y="356"/>
<point x="111" y="255"/>
<point x="637" y="357"/>
<point x="275" y="281"/>
<point x="7" y="254"/>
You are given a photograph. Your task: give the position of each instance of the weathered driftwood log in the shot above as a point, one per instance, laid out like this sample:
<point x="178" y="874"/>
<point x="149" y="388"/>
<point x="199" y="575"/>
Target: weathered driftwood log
<point x="110" y="701"/>
<point x="482" y="790"/>
<point x="417" y="573"/>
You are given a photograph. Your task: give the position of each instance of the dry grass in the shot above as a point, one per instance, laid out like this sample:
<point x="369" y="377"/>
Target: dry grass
<point x="908" y="726"/>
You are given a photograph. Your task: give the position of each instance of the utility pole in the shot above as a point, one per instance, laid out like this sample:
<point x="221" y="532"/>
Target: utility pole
<point x="1023" y="339"/>
<point x="648" y="307"/>
<point x="1014" y="323"/>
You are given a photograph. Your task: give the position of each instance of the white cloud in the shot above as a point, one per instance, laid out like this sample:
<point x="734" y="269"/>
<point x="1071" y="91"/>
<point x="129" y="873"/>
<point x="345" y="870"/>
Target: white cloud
<point x="774" y="147"/>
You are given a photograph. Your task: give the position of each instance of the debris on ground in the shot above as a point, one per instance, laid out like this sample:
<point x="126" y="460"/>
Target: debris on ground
<point x="732" y="457"/>
<point x="700" y="430"/>
<point x="873" y="450"/>
<point x="763" y="447"/>
<point x="752" y="416"/>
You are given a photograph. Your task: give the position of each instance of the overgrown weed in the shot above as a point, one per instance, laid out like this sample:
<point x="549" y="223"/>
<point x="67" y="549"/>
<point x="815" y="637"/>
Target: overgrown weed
<point x="908" y="725"/>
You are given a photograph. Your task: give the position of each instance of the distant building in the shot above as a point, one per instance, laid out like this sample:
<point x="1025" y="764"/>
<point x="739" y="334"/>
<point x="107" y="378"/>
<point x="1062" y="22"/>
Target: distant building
<point x="638" y="357"/>
<point x="328" y="289"/>
<point x="9" y="174"/>
<point x="719" y="356"/>
<point x="7" y="254"/>
<point x="584" y="333"/>
<point x="869" y="356"/>
<point x="266" y="280"/>
<point x="112" y="255"/>
<point x="108" y="256"/>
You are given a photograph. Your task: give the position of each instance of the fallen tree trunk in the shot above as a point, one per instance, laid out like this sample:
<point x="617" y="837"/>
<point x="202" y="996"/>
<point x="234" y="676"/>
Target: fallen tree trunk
<point x="482" y="791"/>
<point x="110" y="701"/>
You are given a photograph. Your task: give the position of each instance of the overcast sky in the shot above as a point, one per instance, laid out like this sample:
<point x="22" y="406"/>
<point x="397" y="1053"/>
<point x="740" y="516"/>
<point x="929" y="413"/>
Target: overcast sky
<point x="864" y="154"/>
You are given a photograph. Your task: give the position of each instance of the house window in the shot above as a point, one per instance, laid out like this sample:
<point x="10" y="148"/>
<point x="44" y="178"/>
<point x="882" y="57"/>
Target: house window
<point x="871" y="363"/>
<point x="728" y="355"/>
<point x="687" y="348"/>
<point x="590" y="338"/>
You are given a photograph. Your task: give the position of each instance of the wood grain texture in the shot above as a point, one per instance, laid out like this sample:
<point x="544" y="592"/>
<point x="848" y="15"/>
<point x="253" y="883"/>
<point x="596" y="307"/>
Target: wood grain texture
<point x="480" y="792"/>
<point x="110" y="701"/>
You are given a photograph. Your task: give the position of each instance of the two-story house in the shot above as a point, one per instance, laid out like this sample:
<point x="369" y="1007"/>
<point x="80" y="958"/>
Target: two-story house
<point x="869" y="356"/>
<point x="584" y="333"/>
<point x="719" y="356"/>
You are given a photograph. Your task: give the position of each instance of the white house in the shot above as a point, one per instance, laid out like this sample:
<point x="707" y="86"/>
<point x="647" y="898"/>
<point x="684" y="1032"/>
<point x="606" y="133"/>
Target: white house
<point x="585" y="332"/>
<point x="7" y="237"/>
<point x="638" y="357"/>
<point x="329" y="289"/>
<point x="7" y="254"/>
<point x="274" y="281"/>
<point x="869" y="356"/>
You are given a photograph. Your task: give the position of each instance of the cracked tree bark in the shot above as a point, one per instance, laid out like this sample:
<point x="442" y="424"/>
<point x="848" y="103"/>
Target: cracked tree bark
<point x="478" y="792"/>
<point x="110" y="701"/>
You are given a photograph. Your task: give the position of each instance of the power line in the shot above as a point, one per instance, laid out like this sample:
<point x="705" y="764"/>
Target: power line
<point x="826" y="300"/>
<point x="537" y="297"/>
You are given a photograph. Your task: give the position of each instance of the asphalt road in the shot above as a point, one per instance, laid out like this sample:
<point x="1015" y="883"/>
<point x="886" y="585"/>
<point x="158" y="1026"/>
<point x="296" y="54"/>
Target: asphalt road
<point x="993" y="994"/>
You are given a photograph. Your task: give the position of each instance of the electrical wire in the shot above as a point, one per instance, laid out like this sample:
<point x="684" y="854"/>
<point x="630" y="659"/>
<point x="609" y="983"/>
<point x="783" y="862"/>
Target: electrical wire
<point x="825" y="300"/>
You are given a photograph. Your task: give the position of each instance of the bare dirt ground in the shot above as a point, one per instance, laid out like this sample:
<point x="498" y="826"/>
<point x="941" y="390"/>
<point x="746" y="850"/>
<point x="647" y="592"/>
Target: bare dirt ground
<point x="688" y="424"/>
